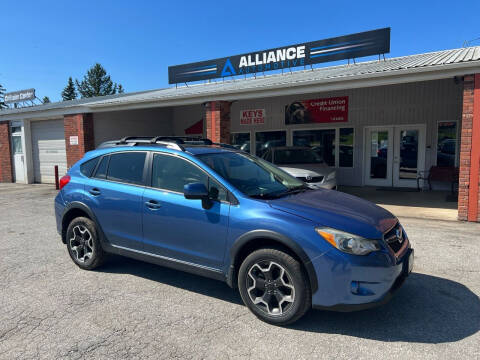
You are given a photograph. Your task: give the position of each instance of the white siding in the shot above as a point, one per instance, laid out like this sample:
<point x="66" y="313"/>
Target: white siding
<point x="413" y="103"/>
<point x="48" y="150"/>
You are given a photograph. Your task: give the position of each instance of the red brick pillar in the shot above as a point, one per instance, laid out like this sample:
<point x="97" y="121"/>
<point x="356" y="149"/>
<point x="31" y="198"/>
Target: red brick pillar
<point x="6" y="169"/>
<point x="217" y="117"/>
<point x="80" y="125"/>
<point x="469" y="186"/>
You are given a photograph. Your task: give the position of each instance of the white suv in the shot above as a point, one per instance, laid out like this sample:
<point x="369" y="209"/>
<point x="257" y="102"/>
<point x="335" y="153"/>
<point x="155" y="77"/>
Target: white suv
<point x="305" y="164"/>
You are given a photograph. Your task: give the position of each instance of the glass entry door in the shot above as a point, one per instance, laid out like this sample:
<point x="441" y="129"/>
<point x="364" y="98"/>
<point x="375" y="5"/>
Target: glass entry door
<point x="379" y="156"/>
<point x="394" y="155"/>
<point x="409" y="155"/>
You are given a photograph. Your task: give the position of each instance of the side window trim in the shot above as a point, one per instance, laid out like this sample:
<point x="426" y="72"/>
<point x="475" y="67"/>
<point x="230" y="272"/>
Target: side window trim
<point x="150" y="174"/>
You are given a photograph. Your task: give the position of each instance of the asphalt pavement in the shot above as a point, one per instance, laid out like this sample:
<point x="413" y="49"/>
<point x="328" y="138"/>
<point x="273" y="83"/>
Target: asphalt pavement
<point x="49" y="308"/>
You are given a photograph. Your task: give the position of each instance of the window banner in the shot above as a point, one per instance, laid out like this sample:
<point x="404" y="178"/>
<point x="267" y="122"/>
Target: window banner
<point x="327" y="110"/>
<point x="252" y="117"/>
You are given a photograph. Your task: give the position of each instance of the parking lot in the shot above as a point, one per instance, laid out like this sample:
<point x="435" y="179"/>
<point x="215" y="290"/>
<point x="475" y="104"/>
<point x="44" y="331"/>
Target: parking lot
<point x="49" y="308"/>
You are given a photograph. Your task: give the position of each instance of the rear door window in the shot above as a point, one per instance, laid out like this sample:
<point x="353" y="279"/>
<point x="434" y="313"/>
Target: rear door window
<point x="127" y="167"/>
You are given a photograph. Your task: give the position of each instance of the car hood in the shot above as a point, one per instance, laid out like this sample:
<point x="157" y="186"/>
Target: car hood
<point x="339" y="211"/>
<point x="307" y="170"/>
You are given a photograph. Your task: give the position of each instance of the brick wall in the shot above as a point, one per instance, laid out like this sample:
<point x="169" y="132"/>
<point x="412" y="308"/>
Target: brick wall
<point x="80" y="125"/>
<point x="217" y="117"/>
<point x="468" y="199"/>
<point x="6" y="170"/>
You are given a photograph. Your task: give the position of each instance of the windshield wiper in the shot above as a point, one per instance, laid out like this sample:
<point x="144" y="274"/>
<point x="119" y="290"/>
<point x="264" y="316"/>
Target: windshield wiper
<point x="265" y="196"/>
<point x="276" y="195"/>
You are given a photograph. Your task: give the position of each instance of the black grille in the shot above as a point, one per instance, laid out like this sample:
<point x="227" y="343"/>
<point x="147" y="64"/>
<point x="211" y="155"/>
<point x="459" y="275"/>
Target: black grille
<point x="311" y="179"/>
<point x="395" y="238"/>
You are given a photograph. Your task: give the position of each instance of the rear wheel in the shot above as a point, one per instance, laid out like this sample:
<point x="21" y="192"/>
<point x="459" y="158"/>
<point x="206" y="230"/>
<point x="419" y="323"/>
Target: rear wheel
<point x="83" y="244"/>
<point x="274" y="286"/>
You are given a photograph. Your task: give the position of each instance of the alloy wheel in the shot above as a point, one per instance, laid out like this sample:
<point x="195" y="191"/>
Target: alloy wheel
<point x="270" y="288"/>
<point x="81" y="243"/>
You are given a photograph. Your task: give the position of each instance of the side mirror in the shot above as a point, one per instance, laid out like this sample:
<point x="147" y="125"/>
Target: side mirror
<point x="195" y="191"/>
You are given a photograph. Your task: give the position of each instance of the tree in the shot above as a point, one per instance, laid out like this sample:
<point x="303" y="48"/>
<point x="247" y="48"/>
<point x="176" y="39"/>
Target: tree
<point x="120" y="90"/>
<point x="46" y="99"/>
<point x="96" y="83"/>
<point x="2" y="95"/>
<point x="69" y="92"/>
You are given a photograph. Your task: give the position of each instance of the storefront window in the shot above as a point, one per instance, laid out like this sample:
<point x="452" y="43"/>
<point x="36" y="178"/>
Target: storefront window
<point x="447" y="143"/>
<point x="268" y="139"/>
<point x="241" y="141"/>
<point x="345" y="152"/>
<point x="323" y="141"/>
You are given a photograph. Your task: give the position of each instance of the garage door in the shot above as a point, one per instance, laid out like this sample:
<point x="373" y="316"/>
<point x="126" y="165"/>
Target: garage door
<point x="48" y="145"/>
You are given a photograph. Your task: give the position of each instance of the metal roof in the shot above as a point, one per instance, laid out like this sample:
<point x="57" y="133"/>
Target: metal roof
<point x="439" y="64"/>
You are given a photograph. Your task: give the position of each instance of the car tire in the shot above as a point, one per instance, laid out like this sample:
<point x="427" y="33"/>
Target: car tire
<point x="274" y="286"/>
<point x="83" y="244"/>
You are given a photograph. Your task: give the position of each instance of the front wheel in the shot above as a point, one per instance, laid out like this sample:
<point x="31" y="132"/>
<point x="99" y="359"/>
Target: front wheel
<point x="274" y="286"/>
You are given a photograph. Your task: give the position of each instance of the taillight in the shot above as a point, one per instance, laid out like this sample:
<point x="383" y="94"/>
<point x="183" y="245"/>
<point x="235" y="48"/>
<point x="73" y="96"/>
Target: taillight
<point x="64" y="181"/>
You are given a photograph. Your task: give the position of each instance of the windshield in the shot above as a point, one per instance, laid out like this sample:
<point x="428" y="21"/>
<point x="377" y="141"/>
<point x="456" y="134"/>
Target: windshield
<point x="251" y="175"/>
<point x="297" y="156"/>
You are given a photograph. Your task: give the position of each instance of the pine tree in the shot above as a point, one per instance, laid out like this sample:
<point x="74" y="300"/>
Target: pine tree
<point x="120" y="89"/>
<point x="69" y="93"/>
<point x="2" y="95"/>
<point x="46" y="100"/>
<point x="96" y="83"/>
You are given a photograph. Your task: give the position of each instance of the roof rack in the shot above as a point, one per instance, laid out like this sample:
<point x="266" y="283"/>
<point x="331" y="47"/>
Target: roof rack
<point x="172" y="142"/>
<point x="192" y="140"/>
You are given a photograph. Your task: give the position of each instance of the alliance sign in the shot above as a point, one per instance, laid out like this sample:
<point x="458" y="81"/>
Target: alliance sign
<point x="338" y="48"/>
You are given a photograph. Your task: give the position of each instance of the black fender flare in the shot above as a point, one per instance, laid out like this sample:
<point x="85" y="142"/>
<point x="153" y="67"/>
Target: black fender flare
<point x="277" y="237"/>
<point x="78" y="205"/>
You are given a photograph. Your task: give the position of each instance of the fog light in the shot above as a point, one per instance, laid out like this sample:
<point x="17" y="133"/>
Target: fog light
<point x="354" y="285"/>
<point x="360" y="288"/>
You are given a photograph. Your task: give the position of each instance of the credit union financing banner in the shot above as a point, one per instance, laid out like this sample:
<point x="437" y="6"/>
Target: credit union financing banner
<point x="328" y="110"/>
<point x="332" y="49"/>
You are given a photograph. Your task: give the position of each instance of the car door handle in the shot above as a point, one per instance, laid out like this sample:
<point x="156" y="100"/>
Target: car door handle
<point x="153" y="204"/>
<point x="94" y="192"/>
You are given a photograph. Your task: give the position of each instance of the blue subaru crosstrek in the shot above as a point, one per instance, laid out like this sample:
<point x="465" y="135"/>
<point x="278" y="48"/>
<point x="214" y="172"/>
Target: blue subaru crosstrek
<point x="222" y="213"/>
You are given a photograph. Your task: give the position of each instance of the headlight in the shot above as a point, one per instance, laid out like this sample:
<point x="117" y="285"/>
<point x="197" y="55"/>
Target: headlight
<point x="348" y="243"/>
<point x="331" y="176"/>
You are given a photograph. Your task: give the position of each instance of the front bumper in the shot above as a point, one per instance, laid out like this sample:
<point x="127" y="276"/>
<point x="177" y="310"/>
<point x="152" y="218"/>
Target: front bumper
<point x="361" y="284"/>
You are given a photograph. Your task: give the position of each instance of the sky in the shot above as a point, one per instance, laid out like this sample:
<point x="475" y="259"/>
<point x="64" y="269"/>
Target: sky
<point x="45" y="42"/>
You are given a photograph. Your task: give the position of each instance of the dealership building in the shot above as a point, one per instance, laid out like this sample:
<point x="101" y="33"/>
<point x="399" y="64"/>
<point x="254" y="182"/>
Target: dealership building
<point x="378" y="123"/>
